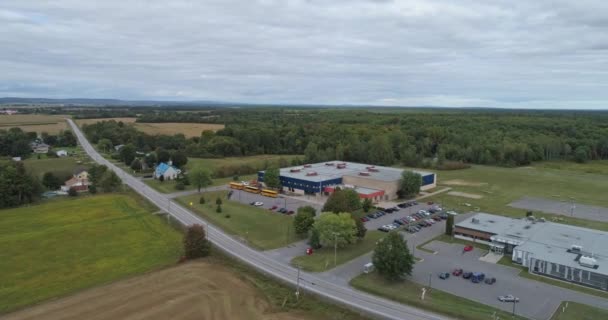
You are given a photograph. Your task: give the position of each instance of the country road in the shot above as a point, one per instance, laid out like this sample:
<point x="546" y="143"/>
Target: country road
<point x="338" y="293"/>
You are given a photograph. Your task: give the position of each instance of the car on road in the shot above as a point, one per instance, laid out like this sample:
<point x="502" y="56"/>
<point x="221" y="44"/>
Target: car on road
<point x="467" y="275"/>
<point x="444" y="275"/>
<point x="508" y="298"/>
<point x="490" y="280"/>
<point x="457" y="272"/>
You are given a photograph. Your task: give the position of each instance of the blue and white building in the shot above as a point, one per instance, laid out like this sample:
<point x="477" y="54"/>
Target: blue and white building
<point x="168" y="171"/>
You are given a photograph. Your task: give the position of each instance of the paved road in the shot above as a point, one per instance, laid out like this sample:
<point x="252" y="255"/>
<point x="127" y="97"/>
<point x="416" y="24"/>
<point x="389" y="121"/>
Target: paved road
<point x="369" y="304"/>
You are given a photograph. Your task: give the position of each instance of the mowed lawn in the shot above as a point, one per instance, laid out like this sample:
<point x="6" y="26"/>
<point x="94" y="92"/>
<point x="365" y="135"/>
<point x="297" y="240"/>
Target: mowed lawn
<point x="408" y="292"/>
<point x="500" y="186"/>
<point x="323" y="259"/>
<point x="58" y="247"/>
<point x="576" y="311"/>
<point x="261" y="228"/>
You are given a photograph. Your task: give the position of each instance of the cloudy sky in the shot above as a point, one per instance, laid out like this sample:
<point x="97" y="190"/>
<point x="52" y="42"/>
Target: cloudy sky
<point x="523" y="54"/>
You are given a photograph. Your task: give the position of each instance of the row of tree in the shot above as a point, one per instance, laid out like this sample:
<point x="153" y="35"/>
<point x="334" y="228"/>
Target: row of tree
<point x="17" y="186"/>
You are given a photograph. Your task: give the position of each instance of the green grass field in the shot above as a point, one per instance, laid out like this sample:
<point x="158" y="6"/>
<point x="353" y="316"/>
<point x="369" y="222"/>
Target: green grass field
<point x="64" y="245"/>
<point x="577" y="311"/>
<point x="257" y="162"/>
<point x="169" y="186"/>
<point x="63" y="166"/>
<point x="500" y="186"/>
<point x="323" y="259"/>
<point x="261" y="228"/>
<point x="437" y="301"/>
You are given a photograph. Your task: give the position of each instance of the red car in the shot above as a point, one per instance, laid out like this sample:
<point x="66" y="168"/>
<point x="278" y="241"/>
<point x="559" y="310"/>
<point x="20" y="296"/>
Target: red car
<point x="430" y="203"/>
<point x="468" y="248"/>
<point x="273" y="208"/>
<point x="457" y="272"/>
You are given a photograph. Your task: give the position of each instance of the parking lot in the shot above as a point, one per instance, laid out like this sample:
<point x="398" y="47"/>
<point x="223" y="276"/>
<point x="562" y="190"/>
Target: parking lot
<point x="373" y="224"/>
<point x="288" y="203"/>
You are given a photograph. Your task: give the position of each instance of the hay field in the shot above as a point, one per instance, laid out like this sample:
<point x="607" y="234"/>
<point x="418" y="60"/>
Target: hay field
<point x="194" y="290"/>
<point x="168" y="128"/>
<point x="52" y="124"/>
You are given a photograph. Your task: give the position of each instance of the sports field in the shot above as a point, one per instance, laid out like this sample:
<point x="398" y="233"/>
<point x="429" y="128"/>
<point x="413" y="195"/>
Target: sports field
<point x="168" y="128"/>
<point x="52" y="124"/>
<point x="64" y="245"/>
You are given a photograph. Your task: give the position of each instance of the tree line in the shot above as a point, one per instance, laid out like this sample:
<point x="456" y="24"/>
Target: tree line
<point x="15" y="142"/>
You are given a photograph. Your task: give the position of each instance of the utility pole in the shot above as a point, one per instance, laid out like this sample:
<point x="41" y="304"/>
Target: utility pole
<point x="430" y="276"/>
<point x="298" y="284"/>
<point x="572" y="206"/>
<point x="513" y="307"/>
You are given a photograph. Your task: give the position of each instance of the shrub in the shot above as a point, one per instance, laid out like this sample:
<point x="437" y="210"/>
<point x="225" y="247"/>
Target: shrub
<point x="196" y="244"/>
<point x="92" y="189"/>
<point x="72" y="192"/>
<point x="201" y="200"/>
<point x="227" y="216"/>
<point x="218" y="209"/>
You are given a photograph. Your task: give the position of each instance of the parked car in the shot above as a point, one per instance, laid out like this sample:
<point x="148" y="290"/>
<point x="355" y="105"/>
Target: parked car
<point x="282" y="210"/>
<point x="430" y="203"/>
<point x="371" y="216"/>
<point x="415" y="202"/>
<point x="443" y="216"/>
<point x="258" y="203"/>
<point x="364" y="219"/>
<point x="508" y="298"/>
<point x="467" y="248"/>
<point x="290" y="212"/>
<point x="397" y="221"/>
<point x="467" y="275"/>
<point x="477" y="277"/>
<point x="273" y="208"/>
<point x="252" y="202"/>
<point x="402" y="205"/>
<point x="490" y="280"/>
<point x="457" y="272"/>
<point x="444" y="275"/>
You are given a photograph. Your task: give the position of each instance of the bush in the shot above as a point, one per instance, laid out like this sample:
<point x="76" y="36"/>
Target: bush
<point x="180" y="186"/>
<point x="201" y="200"/>
<point x="196" y="244"/>
<point x="72" y="192"/>
<point x="227" y="216"/>
<point x="218" y="209"/>
<point x="92" y="189"/>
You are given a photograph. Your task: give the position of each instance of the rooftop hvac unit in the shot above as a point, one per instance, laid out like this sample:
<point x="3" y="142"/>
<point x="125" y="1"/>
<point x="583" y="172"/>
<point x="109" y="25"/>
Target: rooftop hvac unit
<point x="329" y="163"/>
<point x="588" y="262"/>
<point x="341" y="165"/>
<point x="307" y="165"/>
<point x="364" y="173"/>
<point x="576" y="248"/>
<point x="372" y="169"/>
<point x="474" y="221"/>
<point x="294" y="170"/>
<point x="312" y="173"/>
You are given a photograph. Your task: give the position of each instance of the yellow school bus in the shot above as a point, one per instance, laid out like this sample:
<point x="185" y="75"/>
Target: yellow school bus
<point x="236" y="185"/>
<point x="270" y="193"/>
<point x="252" y="189"/>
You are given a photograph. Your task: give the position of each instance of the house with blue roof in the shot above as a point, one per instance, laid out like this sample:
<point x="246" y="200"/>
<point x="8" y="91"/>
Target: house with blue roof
<point x="167" y="171"/>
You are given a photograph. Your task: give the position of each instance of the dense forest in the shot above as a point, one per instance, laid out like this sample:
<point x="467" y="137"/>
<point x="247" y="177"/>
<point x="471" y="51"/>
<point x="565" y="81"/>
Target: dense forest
<point x="381" y="136"/>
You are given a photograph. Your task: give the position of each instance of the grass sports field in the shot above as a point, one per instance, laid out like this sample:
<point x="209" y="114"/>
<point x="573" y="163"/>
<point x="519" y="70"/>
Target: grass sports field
<point x="575" y="311"/>
<point x="500" y="186"/>
<point x="169" y="128"/>
<point x="34" y="122"/>
<point x="323" y="259"/>
<point x="436" y="300"/>
<point x="64" y="245"/>
<point x="260" y="228"/>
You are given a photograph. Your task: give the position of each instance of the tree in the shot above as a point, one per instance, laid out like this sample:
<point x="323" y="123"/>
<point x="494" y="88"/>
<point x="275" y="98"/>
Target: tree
<point x="392" y="258"/>
<point x="96" y="172"/>
<point x="200" y="178"/>
<point x="162" y="155"/>
<point x="136" y="165"/>
<point x="179" y="159"/>
<point x="218" y="209"/>
<point x="150" y="160"/>
<point x="72" y="192"/>
<point x="127" y="154"/>
<point x="201" y="200"/>
<point x="110" y="181"/>
<point x="92" y="189"/>
<point x="196" y="244"/>
<point x="315" y="240"/>
<point x="335" y="227"/>
<point x="410" y="184"/>
<point x="304" y="220"/>
<point x="380" y="151"/>
<point x="105" y="145"/>
<point x="366" y="205"/>
<point x="218" y="201"/>
<point x="271" y="177"/>
<point x="50" y="181"/>
<point x="361" y="229"/>
<point x="581" y="154"/>
<point x="311" y="153"/>
<point x="342" y="201"/>
<point x="449" y="225"/>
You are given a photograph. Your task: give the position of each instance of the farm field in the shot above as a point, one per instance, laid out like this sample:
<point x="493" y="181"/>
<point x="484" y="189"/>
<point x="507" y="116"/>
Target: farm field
<point x="65" y="245"/>
<point x="436" y="300"/>
<point x="323" y="259"/>
<point x="52" y="124"/>
<point x="168" y="128"/>
<point x="500" y="186"/>
<point x="208" y="289"/>
<point x="261" y="228"/>
<point x="577" y="311"/>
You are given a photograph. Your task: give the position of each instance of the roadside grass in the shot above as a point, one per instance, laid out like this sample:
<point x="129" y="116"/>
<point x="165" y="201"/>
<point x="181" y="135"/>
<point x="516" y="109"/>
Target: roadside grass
<point x="261" y="228"/>
<point x="506" y="261"/>
<point x="500" y="186"/>
<point x="578" y="311"/>
<point x="281" y="296"/>
<point x="64" y="245"/>
<point x="408" y="292"/>
<point x="323" y="259"/>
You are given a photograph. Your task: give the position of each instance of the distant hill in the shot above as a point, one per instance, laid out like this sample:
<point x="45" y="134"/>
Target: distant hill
<point x="106" y="102"/>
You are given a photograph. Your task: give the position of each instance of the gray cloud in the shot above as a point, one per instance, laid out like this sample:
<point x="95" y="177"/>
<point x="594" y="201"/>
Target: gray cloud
<point x="452" y="53"/>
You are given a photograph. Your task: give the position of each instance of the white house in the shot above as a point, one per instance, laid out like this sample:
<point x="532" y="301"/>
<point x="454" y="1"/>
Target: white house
<point x="62" y="153"/>
<point x="168" y="172"/>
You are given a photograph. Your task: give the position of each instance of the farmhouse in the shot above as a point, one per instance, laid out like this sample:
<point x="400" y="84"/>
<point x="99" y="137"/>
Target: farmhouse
<point x="79" y="181"/>
<point x="373" y="182"/>
<point x="167" y="171"/>
<point x="555" y="250"/>
<point x="40" y="147"/>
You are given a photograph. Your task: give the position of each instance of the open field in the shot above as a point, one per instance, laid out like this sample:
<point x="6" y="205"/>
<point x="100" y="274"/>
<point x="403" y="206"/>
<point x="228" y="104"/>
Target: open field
<point x="593" y="167"/>
<point x="257" y="162"/>
<point x="323" y="259"/>
<point x="59" y="166"/>
<point x="261" y="228"/>
<point x="169" y="186"/>
<point x="52" y="124"/>
<point x="408" y="292"/>
<point x="64" y="245"/>
<point x="577" y="311"/>
<point x="500" y="186"/>
<point x="168" y="128"/>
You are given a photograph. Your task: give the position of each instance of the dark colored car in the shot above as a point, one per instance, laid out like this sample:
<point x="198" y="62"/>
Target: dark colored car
<point x="364" y="219"/>
<point x="252" y="203"/>
<point x="444" y="275"/>
<point x="443" y="216"/>
<point x="467" y="275"/>
<point x="399" y="222"/>
<point x="290" y="212"/>
<point x="437" y="218"/>
<point x="457" y="272"/>
<point x="282" y="210"/>
<point x="402" y="205"/>
<point x="371" y="216"/>
<point x="490" y="280"/>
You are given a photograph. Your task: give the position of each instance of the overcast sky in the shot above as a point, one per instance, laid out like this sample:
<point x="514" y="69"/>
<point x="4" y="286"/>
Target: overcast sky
<point x="523" y="54"/>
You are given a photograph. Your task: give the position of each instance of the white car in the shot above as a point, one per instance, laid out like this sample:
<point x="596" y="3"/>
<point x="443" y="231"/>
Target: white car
<point x="258" y="204"/>
<point x="508" y="298"/>
<point x="245" y="183"/>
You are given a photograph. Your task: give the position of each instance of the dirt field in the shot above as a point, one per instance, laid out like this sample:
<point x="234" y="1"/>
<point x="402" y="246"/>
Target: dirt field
<point x="170" y="128"/>
<point x="465" y="195"/>
<point x="463" y="183"/>
<point x="196" y="290"/>
<point x="34" y="122"/>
